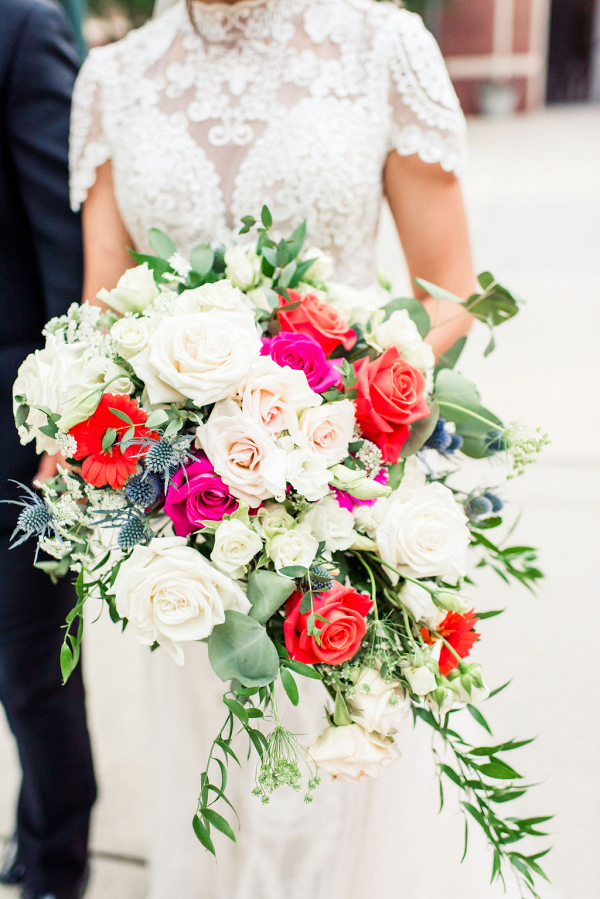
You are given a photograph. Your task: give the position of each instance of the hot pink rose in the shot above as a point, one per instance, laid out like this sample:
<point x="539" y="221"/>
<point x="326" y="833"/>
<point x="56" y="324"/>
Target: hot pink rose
<point x="345" y="609"/>
<point x="197" y="495"/>
<point x="303" y="352"/>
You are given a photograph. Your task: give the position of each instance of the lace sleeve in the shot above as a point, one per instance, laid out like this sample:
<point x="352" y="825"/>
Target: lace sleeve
<point x="426" y="114"/>
<point x="89" y="146"/>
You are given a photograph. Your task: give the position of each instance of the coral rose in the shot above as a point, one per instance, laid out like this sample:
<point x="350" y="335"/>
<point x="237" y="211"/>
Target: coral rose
<point x="345" y="609"/>
<point x="318" y="319"/>
<point x="391" y="395"/>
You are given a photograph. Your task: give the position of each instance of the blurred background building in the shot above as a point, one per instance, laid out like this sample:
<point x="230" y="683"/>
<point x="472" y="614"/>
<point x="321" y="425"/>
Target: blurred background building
<point x="503" y="55"/>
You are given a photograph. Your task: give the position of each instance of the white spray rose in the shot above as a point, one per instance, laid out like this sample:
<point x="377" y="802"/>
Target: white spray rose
<point x="356" y="305"/>
<point x="368" y="518"/>
<point x="135" y="290"/>
<point x="294" y="547"/>
<point x="400" y="331"/>
<point x="217" y="295"/>
<point x="103" y="372"/>
<point x="322" y="268"/>
<point x="327" y="430"/>
<point x="235" y="546"/>
<point x="131" y="334"/>
<point x="330" y="522"/>
<point x="50" y="377"/>
<point x="307" y="473"/>
<point x="272" y="519"/>
<point x="204" y="356"/>
<point x="421" y="679"/>
<point x="242" y="267"/>
<point x="172" y="594"/>
<point x="424" y="534"/>
<point x="274" y="396"/>
<point x="351" y="753"/>
<point x="243" y="454"/>
<point x="378" y="705"/>
<point x="420" y="604"/>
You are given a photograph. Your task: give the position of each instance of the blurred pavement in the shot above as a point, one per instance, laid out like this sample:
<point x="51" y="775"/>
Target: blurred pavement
<point x="533" y="191"/>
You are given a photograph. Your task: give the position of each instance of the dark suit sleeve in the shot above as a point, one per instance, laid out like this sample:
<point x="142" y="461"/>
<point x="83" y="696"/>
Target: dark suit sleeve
<point x="39" y="103"/>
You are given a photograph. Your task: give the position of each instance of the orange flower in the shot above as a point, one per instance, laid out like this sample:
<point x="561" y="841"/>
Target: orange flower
<point x="114" y="464"/>
<point x="458" y="631"/>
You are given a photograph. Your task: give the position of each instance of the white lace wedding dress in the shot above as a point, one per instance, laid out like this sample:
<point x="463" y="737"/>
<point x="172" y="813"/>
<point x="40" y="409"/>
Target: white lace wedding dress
<point x="297" y="104"/>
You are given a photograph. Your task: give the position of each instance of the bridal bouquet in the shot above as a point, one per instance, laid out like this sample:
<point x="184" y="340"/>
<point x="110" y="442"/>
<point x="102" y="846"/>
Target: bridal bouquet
<point x="263" y="459"/>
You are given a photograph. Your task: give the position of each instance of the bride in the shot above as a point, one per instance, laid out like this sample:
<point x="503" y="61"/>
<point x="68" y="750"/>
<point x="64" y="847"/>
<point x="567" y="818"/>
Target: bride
<point x="316" y="108"/>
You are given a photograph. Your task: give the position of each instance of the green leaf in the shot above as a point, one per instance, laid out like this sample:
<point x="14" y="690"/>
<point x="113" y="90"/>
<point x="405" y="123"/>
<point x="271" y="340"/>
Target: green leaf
<point x="161" y="243"/>
<point x="50" y="430"/>
<point x="290" y="686"/>
<point x="293" y="571"/>
<point x="421" y="431"/>
<point x="202" y="258"/>
<point x="237" y="709"/>
<point x="67" y="662"/>
<point x="396" y="473"/>
<point x="341" y="715"/>
<point x="453" y="388"/>
<point x="304" y="670"/>
<point x="306" y="603"/>
<point x="218" y="822"/>
<point x="437" y="292"/>
<point x="483" y="615"/>
<point x="203" y="835"/>
<point x="479" y="718"/>
<point x="266" y="217"/>
<point x="451" y="356"/>
<point x="122" y="415"/>
<point x="267" y="592"/>
<point x="416" y="311"/>
<point x="241" y="648"/>
<point x="452" y="774"/>
<point x="157" y="265"/>
<point x="109" y="438"/>
<point x="157" y="419"/>
<point x="282" y="256"/>
<point x="498" y="770"/>
<point x="22" y="415"/>
<point x="296" y="241"/>
<point x="301" y="269"/>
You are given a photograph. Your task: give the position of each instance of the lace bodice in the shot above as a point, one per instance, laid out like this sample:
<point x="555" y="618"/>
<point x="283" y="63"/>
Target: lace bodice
<point x="293" y="103"/>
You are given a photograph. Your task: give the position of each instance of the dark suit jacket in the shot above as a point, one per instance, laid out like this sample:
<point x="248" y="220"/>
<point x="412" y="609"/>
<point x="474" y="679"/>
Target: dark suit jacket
<point x="40" y="238"/>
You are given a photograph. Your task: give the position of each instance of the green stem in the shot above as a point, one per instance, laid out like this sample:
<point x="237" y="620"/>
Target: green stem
<point x="373" y="586"/>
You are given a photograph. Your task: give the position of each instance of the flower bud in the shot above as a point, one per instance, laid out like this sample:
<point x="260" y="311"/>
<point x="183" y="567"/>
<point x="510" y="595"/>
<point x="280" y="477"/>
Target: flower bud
<point x="451" y="602"/>
<point x="357" y="484"/>
<point x="79" y="409"/>
<point x="421" y="679"/>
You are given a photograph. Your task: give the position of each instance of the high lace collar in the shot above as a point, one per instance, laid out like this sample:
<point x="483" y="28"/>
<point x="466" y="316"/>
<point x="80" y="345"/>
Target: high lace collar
<point x="252" y="19"/>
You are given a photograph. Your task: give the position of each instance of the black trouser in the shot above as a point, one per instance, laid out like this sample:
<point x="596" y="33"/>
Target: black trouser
<point x="48" y="722"/>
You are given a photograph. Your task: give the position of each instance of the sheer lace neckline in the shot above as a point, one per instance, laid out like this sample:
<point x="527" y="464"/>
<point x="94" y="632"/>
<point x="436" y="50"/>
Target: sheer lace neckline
<point x="253" y="19"/>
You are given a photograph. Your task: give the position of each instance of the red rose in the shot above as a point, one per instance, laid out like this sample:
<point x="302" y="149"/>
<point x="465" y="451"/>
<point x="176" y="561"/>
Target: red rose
<point x="318" y="319"/>
<point x="390" y="397"/>
<point x="345" y="609"/>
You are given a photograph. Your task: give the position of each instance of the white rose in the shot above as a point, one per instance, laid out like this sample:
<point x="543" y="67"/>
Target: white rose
<point x="322" y="268"/>
<point x="424" y="534"/>
<point x="378" y="705"/>
<point x="420" y="604"/>
<point x="412" y="477"/>
<point x="368" y="518"/>
<point x="477" y="694"/>
<point x="307" y="473"/>
<point x="421" y="679"/>
<point x="272" y="519"/>
<point x="235" y="546"/>
<point x="218" y="295"/>
<point x="351" y="753"/>
<point x="131" y="334"/>
<point x="204" y="356"/>
<point x="274" y="396"/>
<point x="243" y="454"/>
<point x="258" y="299"/>
<point x="294" y="547"/>
<point x="330" y="522"/>
<point x="172" y="594"/>
<point x="242" y="267"/>
<point x="327" y="430"/>
<point x="51" y="378"/>
<point x="103" y="372"/>
<point x="135" y="290"/>
<point x="356" y="305"/>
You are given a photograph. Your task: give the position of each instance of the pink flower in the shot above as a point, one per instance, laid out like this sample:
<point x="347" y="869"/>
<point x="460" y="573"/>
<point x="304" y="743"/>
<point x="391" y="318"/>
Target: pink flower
<point x="197" y="495"/>
<point x="303" y="352"/>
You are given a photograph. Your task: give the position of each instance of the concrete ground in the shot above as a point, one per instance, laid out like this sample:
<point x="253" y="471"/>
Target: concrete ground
<point x="533" y="192"/>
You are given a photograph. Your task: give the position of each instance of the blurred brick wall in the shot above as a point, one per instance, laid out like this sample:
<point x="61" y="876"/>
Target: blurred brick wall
<point x="497" y="40"/>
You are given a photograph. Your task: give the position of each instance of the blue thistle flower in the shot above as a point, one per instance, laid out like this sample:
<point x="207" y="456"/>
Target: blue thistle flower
<point x="440" y="440"/>
<point x="35" y="520"/>
<point x="495" y="442"/>
<point x="134" y="531"/>
<point x="497" y="503"/>
<point x="477" y="507"/>
<point x="142" y="490"/>
<point x="456" y="443"/>
<point x="320" y="579"/>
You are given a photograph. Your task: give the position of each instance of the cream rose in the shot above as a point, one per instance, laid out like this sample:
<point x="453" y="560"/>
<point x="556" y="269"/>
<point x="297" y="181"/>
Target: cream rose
<point x="356" y="305"/>
<point x="400" y="331"/>
<point x="235" y="546"/>
<point x="274" y="396"/>
<point x="135" y="290"/>
<point x="368" y="518"/>
<point x="204" y="357"/>
<point x="294" y="547"/>
<point x="242" y="267"/>
<point x="172" y="594"/>
<point x="243" y="454"/>
<point x="307" y="473"/>
<point x="328" y="429"/>
<point x="351" y="753"/>
<point x="272" y="519"/>
<point x="50" y="377"/>
<point x="329" y="522"/>
<point x="103" y="372"/>
<point x="131" y="334"/>
<point x="424" y="534"/>
<point x="218" y="295"/>
<point x="421" y="679"/>
<point x="378" y="705"/>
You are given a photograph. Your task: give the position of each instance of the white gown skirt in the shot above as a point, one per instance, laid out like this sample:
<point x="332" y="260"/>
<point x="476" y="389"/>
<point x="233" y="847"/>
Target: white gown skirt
<point x="380" y="837"/>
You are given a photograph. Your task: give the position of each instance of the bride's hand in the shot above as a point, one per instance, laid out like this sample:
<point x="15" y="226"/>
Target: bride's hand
<point x="48" y="466"/>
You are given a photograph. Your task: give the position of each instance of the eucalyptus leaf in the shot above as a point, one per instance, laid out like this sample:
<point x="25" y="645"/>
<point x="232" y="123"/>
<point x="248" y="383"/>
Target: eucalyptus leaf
<point x="451" y="356"/>
<point x="453" y="389"/>
<point x="421" y="431"/>
<point x="416" y="312"/>
<point x="436" y="292"/>
<point x="161" y="243"/>
<point x="202" y="258"/>
<point x="241" y="648"/>
<point x="267" y="592"/>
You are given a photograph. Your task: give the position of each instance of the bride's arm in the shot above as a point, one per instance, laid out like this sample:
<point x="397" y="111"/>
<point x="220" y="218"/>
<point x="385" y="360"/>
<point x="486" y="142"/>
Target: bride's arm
<point x="428" y="209"/>
<point x="105" y="238"/>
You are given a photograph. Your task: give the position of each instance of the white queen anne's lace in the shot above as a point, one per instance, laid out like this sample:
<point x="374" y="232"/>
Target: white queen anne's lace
<point x="295" y="103"/>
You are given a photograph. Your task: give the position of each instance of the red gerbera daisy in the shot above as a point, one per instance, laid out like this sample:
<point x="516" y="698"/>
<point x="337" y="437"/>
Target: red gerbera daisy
<point x="458" y="631"/>
<point x="114" y="464"/>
